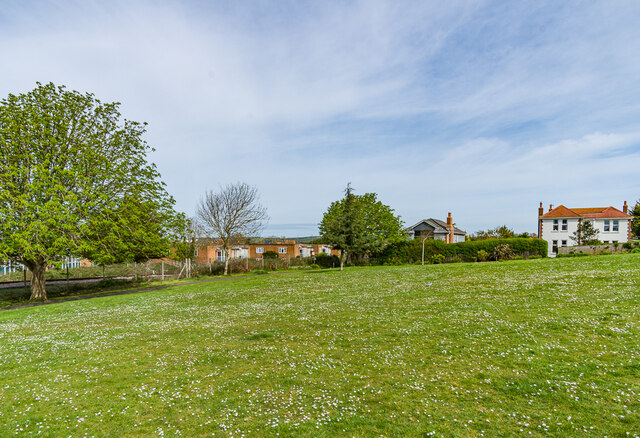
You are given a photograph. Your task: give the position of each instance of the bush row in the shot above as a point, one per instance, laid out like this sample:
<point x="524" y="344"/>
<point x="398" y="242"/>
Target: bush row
<point x="411" y="251"/>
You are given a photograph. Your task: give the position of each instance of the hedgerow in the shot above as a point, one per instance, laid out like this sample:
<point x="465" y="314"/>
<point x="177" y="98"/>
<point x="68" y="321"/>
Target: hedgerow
<point x="411" y="251"/>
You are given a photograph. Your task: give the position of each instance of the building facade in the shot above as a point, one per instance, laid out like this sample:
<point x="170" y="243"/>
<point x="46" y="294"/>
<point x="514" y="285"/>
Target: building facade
<point x="558" y="225"/>
<point x="437" y="230"/>
<point x="209" y="252"/>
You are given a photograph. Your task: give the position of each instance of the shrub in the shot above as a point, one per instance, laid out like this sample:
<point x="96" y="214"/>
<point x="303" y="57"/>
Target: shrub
<point x="628" y="246"/>
<point x="533" y="257"/>
<point x="436" y="259"/>
<point x="270" y="255"/>
<point x="260" y="272"/>
<point x="327" y="261"/>
<point x="502" y="252"/>
<point x="482" y="255"/>
<point x="636" y="251"/>
<point x="455" y="259"/>
<point x="314" y="266"/>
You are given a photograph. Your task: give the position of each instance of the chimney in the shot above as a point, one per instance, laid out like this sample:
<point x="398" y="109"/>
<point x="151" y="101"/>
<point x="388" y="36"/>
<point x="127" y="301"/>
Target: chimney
<point x="550" y="207"/>
<point x="540" y="210"/>
<point x="625" y="208"/>
<point x="450" y="227"/>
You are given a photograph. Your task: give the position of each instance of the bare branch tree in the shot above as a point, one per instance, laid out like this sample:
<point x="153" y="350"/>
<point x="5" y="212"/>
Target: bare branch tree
<point x="231" y="214"/>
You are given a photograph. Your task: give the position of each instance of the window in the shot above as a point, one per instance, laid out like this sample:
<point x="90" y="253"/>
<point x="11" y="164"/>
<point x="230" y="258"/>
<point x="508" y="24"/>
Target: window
<point x="282" y="250"/>
<point x="555" y="225"/>
<point x="259" y="250"/>
<point x="555" y="246"/>
<point x="615" y="226"/>
<point x="196" y="252"/>
<point x="606" y="226"/>
<point x="614" y="241"/>
<point x="564" y="226"/>
<point x="564" y="243"/>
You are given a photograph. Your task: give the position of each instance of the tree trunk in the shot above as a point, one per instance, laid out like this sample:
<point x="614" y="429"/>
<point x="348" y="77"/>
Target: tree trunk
<point x="227" y="252"/>
<point x="38" y="270"/>
<point x="343" y="256"/>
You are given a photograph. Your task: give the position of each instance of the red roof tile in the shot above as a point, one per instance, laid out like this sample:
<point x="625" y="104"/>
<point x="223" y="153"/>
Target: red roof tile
<point x="591" y="212"/>
<point x="561" y="211"/>
<point x="609" y="212"/>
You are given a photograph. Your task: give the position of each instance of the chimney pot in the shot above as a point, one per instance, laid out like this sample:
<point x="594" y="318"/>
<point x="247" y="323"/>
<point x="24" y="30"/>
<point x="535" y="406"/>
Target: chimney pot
<point x="550" y="207"/>
<point x="625" y="207"/>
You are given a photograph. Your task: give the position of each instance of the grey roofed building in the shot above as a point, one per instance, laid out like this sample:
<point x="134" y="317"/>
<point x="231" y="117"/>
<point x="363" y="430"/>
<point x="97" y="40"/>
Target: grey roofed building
<point x="436" y="229"/>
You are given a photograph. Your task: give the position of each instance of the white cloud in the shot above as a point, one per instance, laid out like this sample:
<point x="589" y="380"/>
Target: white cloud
<point x="480" y="108"/>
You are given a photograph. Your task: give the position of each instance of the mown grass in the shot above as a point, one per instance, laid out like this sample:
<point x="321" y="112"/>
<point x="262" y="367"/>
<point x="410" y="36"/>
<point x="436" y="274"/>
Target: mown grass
<point x="540" y="347"/>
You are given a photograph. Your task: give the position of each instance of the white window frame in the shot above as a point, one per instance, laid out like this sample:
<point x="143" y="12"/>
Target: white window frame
<point x="564" y="243"/>
<point x="607" y="226"/>
<point x="565" y="225"/>
<point x="615" y="226"/>
<point x="282" y="250"/>
<point x="556" y="227"/>
<point x="260" y="250"/>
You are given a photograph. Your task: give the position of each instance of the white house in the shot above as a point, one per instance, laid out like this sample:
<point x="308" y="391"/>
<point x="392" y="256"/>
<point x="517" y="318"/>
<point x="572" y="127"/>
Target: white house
<point x="558" y="225"/>
<point x="437" y="229"/>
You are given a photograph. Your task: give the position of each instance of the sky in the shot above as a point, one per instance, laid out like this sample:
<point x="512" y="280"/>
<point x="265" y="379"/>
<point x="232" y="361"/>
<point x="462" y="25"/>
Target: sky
<point x="479" y="108"/>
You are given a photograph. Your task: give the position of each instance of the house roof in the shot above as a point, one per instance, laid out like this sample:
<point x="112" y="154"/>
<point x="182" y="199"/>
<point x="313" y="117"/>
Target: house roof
<point x="592" y="212"/>
<point x="439" y="227"/>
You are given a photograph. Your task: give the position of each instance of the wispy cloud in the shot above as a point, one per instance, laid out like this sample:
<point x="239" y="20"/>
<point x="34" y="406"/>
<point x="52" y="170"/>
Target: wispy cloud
<point x="480" y="108"/>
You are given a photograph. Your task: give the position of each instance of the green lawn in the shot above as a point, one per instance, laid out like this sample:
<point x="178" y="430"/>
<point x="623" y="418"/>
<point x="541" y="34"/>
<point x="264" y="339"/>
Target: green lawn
<point x="539" y="347"/>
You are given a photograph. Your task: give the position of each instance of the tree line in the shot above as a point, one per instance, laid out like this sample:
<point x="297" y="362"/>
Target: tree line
<point x="75" y="181"/>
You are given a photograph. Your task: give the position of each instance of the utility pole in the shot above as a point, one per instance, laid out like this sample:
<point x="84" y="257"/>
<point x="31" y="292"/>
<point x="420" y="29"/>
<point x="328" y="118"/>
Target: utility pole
<point x="423" y="249"/>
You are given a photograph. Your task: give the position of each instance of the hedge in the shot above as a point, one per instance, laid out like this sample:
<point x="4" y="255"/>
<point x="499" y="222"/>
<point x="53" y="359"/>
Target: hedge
<point x="411" y="251"/>
<point x="327" y="261"/>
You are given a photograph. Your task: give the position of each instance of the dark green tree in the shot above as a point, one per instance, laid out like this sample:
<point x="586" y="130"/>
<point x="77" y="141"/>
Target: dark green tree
<point x="586" y="234"/>
<point x="500" y="232"/>
<point x="74" y="180"/>
<point x="359" y="225"/>
<point x="635" y="222"/>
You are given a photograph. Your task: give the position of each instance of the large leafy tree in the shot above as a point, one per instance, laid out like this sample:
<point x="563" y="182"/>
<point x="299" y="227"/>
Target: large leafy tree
<point x="359" y="225"/>
<point x="74" y="180"/>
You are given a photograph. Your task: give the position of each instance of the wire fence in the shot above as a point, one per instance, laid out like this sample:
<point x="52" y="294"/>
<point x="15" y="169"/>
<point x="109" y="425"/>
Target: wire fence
<point x="156" y="270"/>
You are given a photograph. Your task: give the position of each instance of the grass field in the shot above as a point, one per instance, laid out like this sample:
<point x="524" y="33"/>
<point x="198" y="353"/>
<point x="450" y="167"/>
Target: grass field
<point x="539" y="347"/>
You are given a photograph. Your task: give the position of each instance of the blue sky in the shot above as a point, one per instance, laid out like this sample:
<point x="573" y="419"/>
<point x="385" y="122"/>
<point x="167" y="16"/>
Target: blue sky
<point x="480" y="108"/>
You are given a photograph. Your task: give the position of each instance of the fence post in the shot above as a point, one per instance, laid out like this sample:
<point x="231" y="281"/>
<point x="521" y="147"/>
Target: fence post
<point x="162" y="270"/>
<point x="135" y="271"/>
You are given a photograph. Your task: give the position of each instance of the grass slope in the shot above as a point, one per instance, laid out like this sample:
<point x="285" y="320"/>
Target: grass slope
<point x="540" y="347"/>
